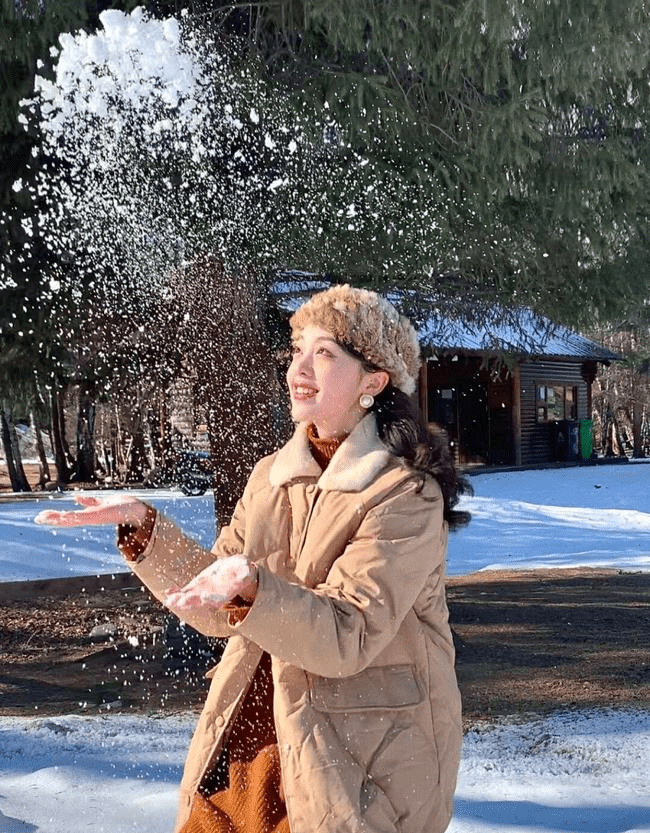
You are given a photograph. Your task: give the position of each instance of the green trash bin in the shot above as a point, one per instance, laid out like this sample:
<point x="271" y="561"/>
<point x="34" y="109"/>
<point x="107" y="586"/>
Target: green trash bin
<point x="586" y="440"/>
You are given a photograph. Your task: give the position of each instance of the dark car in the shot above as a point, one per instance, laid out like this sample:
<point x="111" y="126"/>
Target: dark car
<point x="194" y="472"/>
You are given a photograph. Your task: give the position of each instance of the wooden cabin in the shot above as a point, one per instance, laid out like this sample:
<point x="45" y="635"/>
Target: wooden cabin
<point x="514" y="391"/>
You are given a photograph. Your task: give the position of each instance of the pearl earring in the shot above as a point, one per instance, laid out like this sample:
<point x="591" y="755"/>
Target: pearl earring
<point x="366" y="400"/>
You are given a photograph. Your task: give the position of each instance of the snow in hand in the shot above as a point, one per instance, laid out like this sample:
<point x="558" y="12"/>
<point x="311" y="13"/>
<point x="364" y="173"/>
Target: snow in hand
<point x="214" y="586"/>
<point x="577" y="772"/>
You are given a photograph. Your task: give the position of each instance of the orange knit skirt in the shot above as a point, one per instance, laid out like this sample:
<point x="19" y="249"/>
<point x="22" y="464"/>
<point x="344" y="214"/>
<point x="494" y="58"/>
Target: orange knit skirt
<point x="252" y="800"/>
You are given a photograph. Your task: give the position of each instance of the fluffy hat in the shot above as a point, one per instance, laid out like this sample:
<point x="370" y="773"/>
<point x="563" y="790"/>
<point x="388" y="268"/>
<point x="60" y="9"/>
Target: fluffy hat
<point x="371" y="325"/>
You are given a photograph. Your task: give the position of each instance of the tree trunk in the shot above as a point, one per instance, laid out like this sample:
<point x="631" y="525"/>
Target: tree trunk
<point x="8" y="451"/>
<point x="85" y="464"/>
<point x="138" y="461"/>
<point x="619" y="436"/>
<point x="237" y="375"/>
<point x="119" y="463"/>
<point x="17" y="477"/>
<point x="58" y="438"/>
<point x="44" y="476"/>
<point x="637" y="425"/>
<point x="160" y="441"/>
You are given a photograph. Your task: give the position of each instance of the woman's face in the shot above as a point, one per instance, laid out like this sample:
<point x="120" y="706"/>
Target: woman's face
<point x="325" y="383"/>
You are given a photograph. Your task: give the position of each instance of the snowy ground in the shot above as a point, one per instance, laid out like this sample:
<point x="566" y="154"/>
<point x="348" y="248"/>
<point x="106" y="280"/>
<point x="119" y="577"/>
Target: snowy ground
<point x="593" y="516"/>
<point x="585" y="771"/>
<point x="39" y="552"/>
<point x="577" y="772"/>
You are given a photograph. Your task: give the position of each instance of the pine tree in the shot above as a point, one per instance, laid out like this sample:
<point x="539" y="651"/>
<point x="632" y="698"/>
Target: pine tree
<point x="517" y="127"/>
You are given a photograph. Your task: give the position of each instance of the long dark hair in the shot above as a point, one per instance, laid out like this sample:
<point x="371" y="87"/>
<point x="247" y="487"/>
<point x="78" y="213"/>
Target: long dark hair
<point x="423" y="450"/>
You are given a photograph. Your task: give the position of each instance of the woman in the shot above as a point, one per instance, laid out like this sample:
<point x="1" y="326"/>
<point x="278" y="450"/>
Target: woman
<point x="335" y="706"/>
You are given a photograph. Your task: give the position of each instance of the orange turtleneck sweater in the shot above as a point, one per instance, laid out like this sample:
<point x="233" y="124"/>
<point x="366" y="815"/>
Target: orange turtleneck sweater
<point x="244" y="794"/>
<point x="322" y="450"/>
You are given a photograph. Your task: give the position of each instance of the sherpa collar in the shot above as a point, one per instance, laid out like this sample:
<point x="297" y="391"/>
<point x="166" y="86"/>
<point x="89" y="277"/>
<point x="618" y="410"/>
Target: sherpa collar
<point x="355" y="464"/>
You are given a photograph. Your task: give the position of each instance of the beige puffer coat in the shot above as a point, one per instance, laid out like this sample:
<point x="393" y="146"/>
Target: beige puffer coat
<point x="351" y="607"/>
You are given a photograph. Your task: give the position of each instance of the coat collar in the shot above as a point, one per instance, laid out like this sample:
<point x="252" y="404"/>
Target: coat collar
<point x="357" y="461"/>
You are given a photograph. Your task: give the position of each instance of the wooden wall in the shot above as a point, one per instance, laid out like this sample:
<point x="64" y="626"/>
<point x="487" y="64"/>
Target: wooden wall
<point x="491" y="417"/>
<point x="537" y="439"/>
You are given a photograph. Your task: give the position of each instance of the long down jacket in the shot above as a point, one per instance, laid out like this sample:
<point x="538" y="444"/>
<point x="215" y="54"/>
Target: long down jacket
<point x="351" y="607"/>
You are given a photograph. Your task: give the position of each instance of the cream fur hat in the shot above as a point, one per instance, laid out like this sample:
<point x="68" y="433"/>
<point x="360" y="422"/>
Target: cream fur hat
<point x="371" y="325"/>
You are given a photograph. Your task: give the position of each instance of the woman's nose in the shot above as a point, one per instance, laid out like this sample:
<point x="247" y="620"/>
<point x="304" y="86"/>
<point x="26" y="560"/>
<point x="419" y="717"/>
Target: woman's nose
<point x="302" y="364"/>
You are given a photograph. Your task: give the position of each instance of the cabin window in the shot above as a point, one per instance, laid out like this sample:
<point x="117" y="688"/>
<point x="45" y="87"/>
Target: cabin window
<point x="555" y="402"/>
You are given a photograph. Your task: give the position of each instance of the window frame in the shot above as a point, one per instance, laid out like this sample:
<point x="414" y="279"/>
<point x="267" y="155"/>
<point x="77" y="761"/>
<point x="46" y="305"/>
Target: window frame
<point x="555" y="402"/>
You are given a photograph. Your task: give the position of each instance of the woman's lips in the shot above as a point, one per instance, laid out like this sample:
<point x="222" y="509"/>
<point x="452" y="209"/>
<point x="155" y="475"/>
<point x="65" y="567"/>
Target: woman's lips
<point x="303" y="392"/>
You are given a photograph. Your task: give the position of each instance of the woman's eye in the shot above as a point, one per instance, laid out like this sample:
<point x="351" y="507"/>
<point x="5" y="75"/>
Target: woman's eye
<point x="323" y="351"/>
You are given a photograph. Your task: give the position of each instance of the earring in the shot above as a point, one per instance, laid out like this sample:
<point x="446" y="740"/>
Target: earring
<point x="366" y="400"/>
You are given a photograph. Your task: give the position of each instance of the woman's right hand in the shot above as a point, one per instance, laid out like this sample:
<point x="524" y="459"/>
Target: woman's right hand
<point x="119" y="509"/>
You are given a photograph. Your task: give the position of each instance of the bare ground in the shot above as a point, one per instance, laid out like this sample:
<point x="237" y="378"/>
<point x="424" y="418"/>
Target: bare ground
<point x="32" y="473"/>
<point x="527" y="642"/>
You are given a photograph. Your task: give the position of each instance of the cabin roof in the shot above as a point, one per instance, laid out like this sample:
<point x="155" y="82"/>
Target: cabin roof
<point x="518" y="331"/>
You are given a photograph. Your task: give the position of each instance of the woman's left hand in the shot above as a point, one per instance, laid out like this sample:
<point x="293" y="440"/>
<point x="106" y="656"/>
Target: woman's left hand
<point x="216" y="585"/>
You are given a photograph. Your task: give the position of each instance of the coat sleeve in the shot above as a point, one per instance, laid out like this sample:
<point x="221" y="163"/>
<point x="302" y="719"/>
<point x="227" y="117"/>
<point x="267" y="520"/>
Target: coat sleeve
<point x="340" y="626"/>
<point x="171" y="559"/>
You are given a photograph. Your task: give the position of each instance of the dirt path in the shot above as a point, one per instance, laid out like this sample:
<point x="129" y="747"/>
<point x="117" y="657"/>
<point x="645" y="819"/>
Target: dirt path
<point x="551" y="639"/>
<point x="533" y="641"/>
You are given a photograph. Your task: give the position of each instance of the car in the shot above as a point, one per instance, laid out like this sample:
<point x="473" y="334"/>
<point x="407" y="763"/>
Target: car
<point x="194" y="472"/>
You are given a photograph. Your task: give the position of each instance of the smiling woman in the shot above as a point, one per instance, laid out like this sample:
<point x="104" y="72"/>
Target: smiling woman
<point x="335" y="705"/>
<point x="326" y="384"/>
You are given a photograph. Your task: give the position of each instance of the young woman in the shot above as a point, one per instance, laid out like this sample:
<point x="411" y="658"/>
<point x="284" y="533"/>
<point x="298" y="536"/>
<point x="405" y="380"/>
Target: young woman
<point x="334" y="708"/>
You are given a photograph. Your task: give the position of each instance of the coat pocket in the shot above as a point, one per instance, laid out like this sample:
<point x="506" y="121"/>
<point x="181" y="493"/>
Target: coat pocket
<point x="377" y="687"/>
<point x="378" y="717"/>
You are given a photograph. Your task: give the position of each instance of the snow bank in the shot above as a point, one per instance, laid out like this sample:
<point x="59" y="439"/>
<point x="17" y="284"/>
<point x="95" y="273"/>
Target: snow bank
<point x="573" y="772"/>
<point x="576" y="517"/>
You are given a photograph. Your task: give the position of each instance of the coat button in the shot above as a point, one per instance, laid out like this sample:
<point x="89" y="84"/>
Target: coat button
<point x="219" y="721"/>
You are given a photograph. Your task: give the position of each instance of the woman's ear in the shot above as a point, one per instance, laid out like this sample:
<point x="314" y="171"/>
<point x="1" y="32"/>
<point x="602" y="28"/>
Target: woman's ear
<point x="376" y="382"/>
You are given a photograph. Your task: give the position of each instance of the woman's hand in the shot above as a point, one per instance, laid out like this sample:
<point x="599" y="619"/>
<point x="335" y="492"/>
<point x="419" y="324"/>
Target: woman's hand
<point x="119" y="509"/>
<point x="216" y="585"/>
